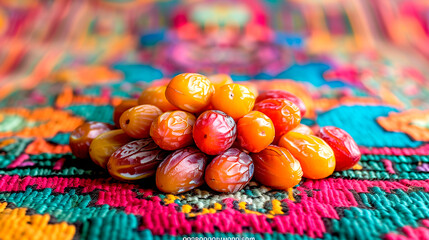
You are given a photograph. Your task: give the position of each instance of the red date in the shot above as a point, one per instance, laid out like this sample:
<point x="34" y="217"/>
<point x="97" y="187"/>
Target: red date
<point x="214" y="132"/>
<point x="346" y="151"/>
<point x="284" y="114"/>
<point x="285" y="95"/>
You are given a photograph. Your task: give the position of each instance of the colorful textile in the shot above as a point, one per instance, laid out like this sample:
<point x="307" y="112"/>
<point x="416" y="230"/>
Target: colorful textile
<point x="364" y="77"/>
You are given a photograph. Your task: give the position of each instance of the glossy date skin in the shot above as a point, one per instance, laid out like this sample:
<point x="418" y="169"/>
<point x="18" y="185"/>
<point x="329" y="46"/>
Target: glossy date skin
<point x="346" y="151"/>
<point x="173" y="130"/>
<point x="156" y="96"/>
<point x="233" y="99"/>
<point x="103" y="146"/>
<point x="218" y="80"/>
<point x="255" y="131"/>
<point x="136" y="121"/>
<point x="229" y="172"/>
<point x="82" y="136"/>
<point x="315" y="155"/>
<point x="252" y="87"/>
<point x="304" y="129"/>
<point x="214" y="132"/>
<point x="121" y="108"/>
<point x="181" y="171"/>
<point x="190" y="92"/>
<point x="284" y="114"/>
<point x="136" y="160"/>
<point x="285" y="95"/>
<point x="277" y="168"/>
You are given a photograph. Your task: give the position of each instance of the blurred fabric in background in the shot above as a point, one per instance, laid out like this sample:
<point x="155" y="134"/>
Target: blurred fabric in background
<point x="39" y="40"/>
<point x="360" y="65"/>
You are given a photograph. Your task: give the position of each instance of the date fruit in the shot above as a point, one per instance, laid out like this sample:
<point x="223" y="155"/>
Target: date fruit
<point x="316" y="157"/>
<point x="105" y="144"/>
<point x="218" y="80"/>
<point x="229" y="172"/>
<point x="136" y="160"/>
<point x="346" y="151"/>
<point x="275" y="167"/>
<point x="284" y="114"/>
<point x="190" y="92"/>
<point x="173" y="130"/>
<point x="156" y="96"/>
<point x="121" y="108"/>
<point x="214" y="132"/>
<point x="233" y="99"/>
<point x="136" y="121"/>
<point x="255" y="131"/>
<point x="82" y="136"/>
<point x="181" y="171"/>
<point x="285" y="95"/>
<point x="304" y="129"/>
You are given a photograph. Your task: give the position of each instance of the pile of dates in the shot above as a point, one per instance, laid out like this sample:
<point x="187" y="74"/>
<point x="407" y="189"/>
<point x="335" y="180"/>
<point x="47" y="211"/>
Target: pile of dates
<point x="198" y="130"/>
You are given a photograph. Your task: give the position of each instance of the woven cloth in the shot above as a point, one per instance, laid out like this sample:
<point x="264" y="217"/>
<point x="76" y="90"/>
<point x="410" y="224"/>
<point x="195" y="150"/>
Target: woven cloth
<point x="63" y="65"/>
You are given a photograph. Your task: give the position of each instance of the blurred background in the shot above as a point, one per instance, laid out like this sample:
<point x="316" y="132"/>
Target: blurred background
<point x="380" y="46"/>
